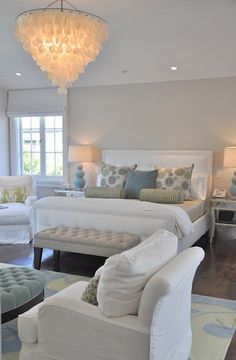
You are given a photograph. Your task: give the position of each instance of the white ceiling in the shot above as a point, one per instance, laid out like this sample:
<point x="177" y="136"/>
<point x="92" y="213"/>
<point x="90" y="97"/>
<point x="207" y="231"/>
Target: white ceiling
<point x="146" y="38"/>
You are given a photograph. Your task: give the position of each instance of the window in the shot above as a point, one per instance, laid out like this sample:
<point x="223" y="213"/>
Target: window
<point x="40" y="144"/>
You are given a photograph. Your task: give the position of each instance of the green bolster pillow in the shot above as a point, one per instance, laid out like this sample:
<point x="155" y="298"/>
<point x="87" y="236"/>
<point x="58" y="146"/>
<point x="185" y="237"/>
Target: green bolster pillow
<point x="105" y="193"/>
<point x="162" y="196"/>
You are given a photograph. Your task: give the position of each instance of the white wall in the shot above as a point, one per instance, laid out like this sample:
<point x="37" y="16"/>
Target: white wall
<point x="4" y="135"/>
<point x="196" y="114"/>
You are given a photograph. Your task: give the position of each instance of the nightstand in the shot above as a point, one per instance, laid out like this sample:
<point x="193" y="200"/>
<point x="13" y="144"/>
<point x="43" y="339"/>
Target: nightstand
<point x="216" y="220"/>
<point x="69" y="193"/>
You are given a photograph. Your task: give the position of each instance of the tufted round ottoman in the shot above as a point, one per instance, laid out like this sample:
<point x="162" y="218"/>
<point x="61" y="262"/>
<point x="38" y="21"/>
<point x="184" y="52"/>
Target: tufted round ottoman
<point x="20" y="289"/>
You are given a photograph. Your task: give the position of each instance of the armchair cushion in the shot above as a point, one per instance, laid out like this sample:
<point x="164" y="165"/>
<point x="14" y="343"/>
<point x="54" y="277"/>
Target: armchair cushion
<point x="124" y="275"/>
<point x="15" y="214"/>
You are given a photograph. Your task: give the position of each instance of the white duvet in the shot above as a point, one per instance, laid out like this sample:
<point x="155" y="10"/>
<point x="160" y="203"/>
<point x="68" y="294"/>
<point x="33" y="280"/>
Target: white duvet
<point x="133" y="216"/>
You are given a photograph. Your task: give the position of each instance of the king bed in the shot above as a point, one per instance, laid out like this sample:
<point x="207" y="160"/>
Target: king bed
<point x="189" y="221"/>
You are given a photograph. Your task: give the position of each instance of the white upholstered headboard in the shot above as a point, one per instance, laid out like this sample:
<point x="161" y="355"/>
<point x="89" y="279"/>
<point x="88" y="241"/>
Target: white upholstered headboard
<point x="147" y="159"/>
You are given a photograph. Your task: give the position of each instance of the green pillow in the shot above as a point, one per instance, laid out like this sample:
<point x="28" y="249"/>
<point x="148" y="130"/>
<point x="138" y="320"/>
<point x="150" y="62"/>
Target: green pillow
<point x="138" y="180"/>
<point x="12" y="194"/>
<point x="90" y="293"/>
<point x="105" y="193"/>
<point x="162" y="196"/>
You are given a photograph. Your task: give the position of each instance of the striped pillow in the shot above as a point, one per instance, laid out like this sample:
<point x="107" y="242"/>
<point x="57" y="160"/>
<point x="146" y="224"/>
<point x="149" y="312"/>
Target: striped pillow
<point x="105" y="193"/>
<point x="162" y="196"/>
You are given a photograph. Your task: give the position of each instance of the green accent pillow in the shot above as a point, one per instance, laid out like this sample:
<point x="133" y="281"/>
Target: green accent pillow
<point x="162" y="196"/>
<point x="12" y="194"/>
<point x="175" y="179"/>
<point x="138" y="180"/>
<point x="113" y="176"/>
<point x="90" y="293"/>
<point x="105" y="193"/>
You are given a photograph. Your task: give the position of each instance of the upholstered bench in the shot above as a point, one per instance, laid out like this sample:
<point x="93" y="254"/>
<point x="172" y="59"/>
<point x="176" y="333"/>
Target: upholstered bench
<point x="20" y="289"/>
<point x="80" y="240"/>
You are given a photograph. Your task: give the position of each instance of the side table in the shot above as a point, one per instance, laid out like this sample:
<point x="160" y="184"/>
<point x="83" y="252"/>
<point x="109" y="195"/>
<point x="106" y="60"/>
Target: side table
<point x="74" y="193"/>
<point x="216" y="206"/>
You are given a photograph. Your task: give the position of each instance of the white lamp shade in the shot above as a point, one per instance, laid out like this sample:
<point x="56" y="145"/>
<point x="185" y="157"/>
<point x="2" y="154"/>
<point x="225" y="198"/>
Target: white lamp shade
<point x="230" y="157"/>
<point x="84" y="153"/>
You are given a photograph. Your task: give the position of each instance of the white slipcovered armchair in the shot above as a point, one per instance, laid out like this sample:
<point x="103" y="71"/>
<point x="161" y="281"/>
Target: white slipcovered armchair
<point x="15" y="226"/>
<point x="65" y="328"/>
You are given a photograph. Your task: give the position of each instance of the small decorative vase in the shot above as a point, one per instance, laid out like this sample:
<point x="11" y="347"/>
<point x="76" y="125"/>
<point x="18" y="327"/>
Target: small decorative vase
<point x="79" y="181"/>
<point x="233" y="186"/>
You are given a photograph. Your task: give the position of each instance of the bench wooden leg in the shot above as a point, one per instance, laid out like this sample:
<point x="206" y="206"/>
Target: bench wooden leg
<point x="56" y="258"/>
<point x="37" y="257"/>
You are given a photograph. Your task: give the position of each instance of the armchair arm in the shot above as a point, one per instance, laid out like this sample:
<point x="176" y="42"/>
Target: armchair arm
<point x="30" y="199"/>
<point x="166" y="281"/>
<point x="166" y="304"/>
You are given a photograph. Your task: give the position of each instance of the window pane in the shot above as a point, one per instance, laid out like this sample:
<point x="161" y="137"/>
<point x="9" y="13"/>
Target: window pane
<point x="50" y="141"/>
<point x="59" y="141"/>
<point x="35" y="123"/>
<point x="36" y="141"/>
<point x="27" y="163"/>
<point x="31" y="163"/>
<point x="26" y="141"/>
<point x="59" y="164"/>
<point x="50" y="164"/>
<point x="36" y="163"/>
<point x="41" y="138"/>
<point x="25" y="122"/>
<point x="58" y="122"/>
<point x="49" y="122"/>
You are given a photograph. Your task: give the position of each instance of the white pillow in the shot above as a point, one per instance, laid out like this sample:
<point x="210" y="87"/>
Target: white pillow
<point x="124" y="275"/>
<point x="199" y="186"/>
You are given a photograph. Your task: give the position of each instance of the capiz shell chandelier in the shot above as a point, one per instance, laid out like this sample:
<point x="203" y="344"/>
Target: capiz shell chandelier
<point x="61" y="41"/>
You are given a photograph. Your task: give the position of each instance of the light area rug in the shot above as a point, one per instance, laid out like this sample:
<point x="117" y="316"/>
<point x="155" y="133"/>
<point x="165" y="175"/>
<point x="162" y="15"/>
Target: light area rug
<point x="213" y="322"/>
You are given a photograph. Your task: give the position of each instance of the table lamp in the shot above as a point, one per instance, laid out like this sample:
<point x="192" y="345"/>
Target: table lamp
<point x="82" y="153"/>
<point x="230" y="162"/>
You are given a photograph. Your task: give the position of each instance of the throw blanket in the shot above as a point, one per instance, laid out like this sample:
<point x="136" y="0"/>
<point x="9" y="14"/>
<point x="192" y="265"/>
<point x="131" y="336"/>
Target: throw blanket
<point x="133" y="216"/>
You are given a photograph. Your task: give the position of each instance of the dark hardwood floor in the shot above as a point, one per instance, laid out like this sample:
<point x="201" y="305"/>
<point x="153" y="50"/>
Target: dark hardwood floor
<point x="216" y="276"/>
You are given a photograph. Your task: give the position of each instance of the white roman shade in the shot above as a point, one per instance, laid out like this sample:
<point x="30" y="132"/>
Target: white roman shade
<point x="35" y="102"/>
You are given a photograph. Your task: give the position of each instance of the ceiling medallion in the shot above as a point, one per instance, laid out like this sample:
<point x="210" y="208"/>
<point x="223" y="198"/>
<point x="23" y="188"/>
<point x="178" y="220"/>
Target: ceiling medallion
<point x="61" y="41"/>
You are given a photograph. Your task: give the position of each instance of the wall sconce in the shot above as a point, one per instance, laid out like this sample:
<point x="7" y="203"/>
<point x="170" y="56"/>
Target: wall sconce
<point x="230" y="162"/>
<point x="79" y="154"/>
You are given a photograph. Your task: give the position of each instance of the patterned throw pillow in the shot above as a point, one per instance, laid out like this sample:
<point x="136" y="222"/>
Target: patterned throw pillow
<point x="12" y="194"/>
<point x="175" y="179"/>
<point x="90" y="293"/>
<point x="114" y="176"/>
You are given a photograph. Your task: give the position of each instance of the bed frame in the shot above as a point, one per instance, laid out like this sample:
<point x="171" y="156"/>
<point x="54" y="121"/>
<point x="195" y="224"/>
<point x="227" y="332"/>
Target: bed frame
<point x="147" y="159"/>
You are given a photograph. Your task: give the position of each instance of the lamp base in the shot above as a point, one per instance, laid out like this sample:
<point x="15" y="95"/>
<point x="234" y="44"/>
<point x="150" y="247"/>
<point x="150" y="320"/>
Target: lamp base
<point x="232" y="188"/>
<point x="79" y="181"/>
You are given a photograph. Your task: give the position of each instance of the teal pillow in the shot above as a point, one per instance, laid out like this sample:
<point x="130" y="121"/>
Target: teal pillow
<point x="162" y="196"/>
<point x="105" y="193"/>
<point x="138" y="180"/>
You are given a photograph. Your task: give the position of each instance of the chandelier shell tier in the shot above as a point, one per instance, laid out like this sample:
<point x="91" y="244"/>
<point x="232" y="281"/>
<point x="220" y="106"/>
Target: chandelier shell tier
<point x="62" y="43"/>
